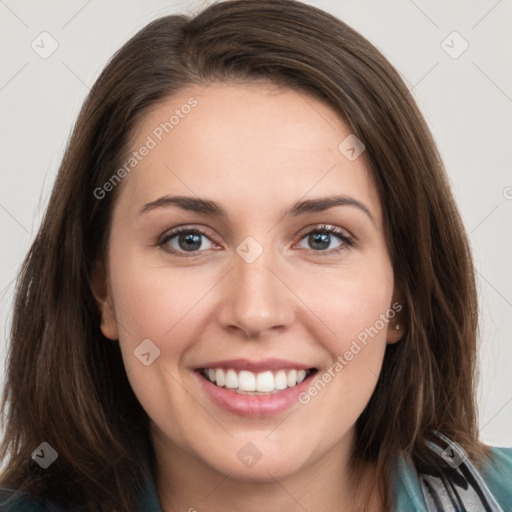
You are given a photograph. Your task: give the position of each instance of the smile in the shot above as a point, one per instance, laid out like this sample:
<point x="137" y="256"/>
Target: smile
<point x="251" y="383"/>
<point x="254" y="389"/>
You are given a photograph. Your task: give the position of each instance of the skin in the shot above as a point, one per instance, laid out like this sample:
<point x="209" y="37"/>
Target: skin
<point x="255" y="150"/>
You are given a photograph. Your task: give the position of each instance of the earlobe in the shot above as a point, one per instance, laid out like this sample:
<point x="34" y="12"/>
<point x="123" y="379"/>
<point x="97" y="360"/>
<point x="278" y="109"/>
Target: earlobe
<point x="108" y="321"/>
<point x="107" y="329"/>
<point x="103" y="296"/>
<point x="395" y="332"/>
<point x="396" y="326"/>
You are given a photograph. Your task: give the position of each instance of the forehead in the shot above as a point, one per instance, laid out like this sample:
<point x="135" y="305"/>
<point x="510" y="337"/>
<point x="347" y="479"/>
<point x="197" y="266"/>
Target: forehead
<point x="246" y="144"/>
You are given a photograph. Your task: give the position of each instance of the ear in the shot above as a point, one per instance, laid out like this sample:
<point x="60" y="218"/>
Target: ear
<point x="396" y="326"/>
<point x="103" y="296"/>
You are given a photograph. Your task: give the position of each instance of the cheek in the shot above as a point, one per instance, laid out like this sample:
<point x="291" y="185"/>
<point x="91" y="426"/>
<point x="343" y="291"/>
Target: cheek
<point x="357" y="310"/>
<point x="168" y="307"/>
<point x="353" y="303"/>
<point x="159" y="305"/>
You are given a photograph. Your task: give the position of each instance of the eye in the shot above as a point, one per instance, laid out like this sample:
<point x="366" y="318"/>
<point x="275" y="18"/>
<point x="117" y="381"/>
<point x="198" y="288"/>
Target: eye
<point x="185" y="240"/>
<point x="180" y="241"/>
<point x="321" y="237"/>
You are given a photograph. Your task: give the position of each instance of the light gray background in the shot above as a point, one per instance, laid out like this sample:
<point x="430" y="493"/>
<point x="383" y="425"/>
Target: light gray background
<point x="467" y="102"/>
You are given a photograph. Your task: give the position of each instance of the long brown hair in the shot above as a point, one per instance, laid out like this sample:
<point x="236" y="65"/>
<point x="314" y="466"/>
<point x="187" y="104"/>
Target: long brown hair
<point x="66" y="383"/>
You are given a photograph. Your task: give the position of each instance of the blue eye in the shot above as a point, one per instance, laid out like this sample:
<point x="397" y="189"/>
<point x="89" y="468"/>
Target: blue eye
<point x="321" y="237"/>
<point x="187" y="240"/>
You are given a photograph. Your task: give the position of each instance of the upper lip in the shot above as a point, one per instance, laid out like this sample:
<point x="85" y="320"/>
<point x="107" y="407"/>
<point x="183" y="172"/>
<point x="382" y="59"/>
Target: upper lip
<point x="256" y="366"/>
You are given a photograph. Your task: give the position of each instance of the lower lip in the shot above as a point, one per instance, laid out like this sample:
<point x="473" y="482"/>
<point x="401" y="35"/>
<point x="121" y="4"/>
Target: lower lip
<point x="254" y="406"/>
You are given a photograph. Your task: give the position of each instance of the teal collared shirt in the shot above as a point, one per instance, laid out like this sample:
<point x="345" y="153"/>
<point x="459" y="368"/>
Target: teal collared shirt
<point x="497" y="475"/>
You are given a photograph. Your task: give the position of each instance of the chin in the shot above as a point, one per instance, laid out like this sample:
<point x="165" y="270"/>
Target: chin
<point x="262" y="471"/>
<point x="257" y="460"/>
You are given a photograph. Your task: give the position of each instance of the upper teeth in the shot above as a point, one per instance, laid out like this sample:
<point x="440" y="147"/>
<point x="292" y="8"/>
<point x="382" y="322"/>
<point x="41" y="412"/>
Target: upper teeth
<point x="248" y="381"/>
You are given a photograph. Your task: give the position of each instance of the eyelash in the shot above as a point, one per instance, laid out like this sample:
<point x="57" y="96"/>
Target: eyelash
<point x="323" y="229"/>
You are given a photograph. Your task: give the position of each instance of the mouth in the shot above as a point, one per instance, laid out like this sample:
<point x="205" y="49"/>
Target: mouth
<point x="254" y="388"/>
<point x="263" y="383"/>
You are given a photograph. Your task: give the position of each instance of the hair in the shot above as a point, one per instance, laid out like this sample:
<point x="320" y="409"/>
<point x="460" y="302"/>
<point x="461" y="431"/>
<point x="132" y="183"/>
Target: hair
<point x="66" y="383"/>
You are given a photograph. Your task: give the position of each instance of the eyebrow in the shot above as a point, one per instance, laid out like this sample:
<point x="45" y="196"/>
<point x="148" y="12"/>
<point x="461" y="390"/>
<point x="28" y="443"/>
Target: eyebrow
<point x="211" y="208"/>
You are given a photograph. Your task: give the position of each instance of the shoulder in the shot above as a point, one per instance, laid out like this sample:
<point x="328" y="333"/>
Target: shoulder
<point x="16" y="501"/>
<point x="497" y="474"/>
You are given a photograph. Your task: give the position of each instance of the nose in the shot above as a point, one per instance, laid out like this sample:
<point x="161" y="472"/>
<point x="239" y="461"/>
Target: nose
<point x="256" y="299"/>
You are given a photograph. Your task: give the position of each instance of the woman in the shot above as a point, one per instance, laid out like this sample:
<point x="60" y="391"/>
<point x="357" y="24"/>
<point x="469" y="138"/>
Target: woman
<point x="180" y="341"/>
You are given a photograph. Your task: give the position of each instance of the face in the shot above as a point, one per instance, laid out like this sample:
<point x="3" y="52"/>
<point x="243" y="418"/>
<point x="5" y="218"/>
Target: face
<point x="284" y="300"/>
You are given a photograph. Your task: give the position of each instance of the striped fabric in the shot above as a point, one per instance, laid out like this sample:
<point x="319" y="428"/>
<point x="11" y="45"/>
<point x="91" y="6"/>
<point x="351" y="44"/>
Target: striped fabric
<point x="460" y="488"/>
